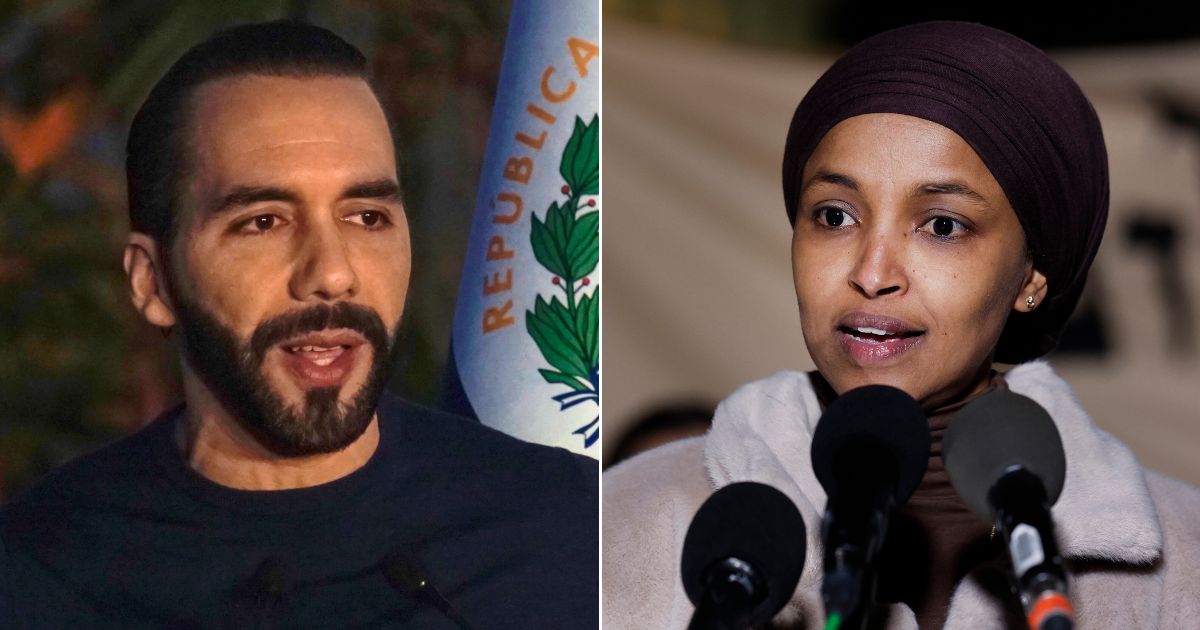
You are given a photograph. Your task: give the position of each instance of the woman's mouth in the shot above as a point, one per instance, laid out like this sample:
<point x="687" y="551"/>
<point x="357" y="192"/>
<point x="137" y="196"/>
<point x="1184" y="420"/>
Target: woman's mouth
<point x="873" y="339"/>
<point x="876" y="335"/>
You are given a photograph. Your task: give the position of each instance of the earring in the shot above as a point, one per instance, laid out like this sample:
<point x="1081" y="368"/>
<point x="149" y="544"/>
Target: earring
<point x="1030" y="302"/>
<point x="166" y="332"/>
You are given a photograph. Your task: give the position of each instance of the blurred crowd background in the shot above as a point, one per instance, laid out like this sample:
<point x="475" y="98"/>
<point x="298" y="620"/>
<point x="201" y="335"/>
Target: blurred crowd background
<point x="699" y="94"/>
<point x="78" y="367"/>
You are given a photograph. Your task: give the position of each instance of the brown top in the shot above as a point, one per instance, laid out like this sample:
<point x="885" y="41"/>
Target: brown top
<point x="936" y="539"/>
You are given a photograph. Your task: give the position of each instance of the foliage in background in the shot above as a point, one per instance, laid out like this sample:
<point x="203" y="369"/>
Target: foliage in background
<point x="77" y="365"/>
<point x="779" y="23"/>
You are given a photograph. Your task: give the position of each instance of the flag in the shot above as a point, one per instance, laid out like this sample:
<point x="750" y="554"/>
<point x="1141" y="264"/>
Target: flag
<point x="525" y="353"/>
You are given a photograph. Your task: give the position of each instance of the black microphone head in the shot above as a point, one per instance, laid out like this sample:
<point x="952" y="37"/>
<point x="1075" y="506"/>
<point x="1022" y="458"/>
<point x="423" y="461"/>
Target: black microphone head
<point x="994" y="433"/>
<point x="404" y="573"/>
<point x="255" y="601"/>
<point x="871" y="432"/>
<point x="757" y="524"/>
<point x="270" y="578"/>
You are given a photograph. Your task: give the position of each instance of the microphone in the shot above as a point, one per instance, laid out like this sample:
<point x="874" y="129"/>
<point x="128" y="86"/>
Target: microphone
<point x="742" y="556"/>
<point x="869" y="452"/>
<point x="1005" y="458"/>
<point x="405" y="573"/>
<point x="265" y="590"/>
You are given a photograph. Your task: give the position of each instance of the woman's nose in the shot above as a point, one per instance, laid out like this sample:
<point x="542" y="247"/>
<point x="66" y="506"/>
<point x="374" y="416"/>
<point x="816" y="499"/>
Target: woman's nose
<point x="879" y="268"/>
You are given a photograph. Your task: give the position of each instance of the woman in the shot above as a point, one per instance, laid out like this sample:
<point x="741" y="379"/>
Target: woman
<point x="947" y="187"/>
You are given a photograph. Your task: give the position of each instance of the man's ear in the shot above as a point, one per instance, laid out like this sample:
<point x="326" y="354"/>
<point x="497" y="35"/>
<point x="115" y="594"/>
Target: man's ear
<point x="1033" y="292"/>
<point x="147" y="282"/>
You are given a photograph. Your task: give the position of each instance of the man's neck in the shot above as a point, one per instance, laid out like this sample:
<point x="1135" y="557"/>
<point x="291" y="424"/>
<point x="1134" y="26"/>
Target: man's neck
<point x="216" y="446"/>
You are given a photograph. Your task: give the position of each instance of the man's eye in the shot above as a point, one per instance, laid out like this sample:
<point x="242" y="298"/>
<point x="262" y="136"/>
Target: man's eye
<point x="370" y="218"/>
<point x="945" y="227"/>
<point x="831" y="216"/>
<point x="259" y="224"/>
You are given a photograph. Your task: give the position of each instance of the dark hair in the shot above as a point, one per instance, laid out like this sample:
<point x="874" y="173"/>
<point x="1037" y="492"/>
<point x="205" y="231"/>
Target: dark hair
<point x="156" y="157"/>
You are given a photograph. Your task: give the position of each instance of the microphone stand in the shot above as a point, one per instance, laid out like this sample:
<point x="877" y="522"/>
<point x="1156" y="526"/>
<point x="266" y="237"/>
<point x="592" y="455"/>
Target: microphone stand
<point x="1022" y="512"/>
<point x="853" y="530"/>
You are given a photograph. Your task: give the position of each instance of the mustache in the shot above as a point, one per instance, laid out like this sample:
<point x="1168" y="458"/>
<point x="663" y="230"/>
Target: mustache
<point x="361" y="319"/>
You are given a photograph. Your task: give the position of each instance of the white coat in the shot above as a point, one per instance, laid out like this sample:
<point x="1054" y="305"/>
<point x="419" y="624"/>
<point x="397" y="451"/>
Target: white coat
<point x="1130" y="536"/>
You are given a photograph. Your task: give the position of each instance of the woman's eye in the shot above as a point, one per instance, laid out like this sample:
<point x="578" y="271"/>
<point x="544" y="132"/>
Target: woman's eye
<point x="944" y="227"/>
<point x="833" y="217"/>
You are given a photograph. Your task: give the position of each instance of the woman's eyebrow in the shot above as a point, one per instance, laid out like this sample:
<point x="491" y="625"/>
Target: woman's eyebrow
<point x="827" y="177"/>
<point x="948" y="188"/>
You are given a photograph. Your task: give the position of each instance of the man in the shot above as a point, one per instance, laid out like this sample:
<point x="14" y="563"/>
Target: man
<point x="269" y="231"/>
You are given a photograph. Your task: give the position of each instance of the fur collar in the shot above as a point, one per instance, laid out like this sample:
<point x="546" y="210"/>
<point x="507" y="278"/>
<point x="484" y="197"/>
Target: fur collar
<point x="763" y="432"/>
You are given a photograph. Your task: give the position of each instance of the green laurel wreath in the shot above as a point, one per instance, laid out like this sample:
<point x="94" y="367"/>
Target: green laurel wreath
<point x="567" y="243"/>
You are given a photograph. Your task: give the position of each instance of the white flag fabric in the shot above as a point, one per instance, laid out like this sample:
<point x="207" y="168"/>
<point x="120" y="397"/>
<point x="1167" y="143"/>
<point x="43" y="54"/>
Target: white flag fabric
<point x="526" y="330"/>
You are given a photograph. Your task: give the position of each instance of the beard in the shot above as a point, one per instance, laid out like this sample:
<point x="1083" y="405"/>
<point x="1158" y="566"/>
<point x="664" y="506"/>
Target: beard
<point x="232" y="370"/>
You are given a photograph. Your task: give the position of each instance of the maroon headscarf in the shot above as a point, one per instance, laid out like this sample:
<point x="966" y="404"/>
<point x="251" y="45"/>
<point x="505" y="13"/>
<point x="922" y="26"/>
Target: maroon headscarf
<point x="1022" y="114"/>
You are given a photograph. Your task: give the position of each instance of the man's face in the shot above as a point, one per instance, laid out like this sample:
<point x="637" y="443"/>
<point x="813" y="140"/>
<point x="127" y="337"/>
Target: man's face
<point x="291" y="266"/>
<point x="907" y="258"/>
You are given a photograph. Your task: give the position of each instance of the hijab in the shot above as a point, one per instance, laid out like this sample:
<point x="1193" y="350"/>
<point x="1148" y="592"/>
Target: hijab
<point x="1024" y="116"/>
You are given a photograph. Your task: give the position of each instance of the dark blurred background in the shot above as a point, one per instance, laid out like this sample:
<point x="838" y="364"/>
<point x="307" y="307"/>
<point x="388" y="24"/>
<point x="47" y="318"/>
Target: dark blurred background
<point x="698" y="95"/>
<point x="808" y="25"/>
<point x="78" y="367"/>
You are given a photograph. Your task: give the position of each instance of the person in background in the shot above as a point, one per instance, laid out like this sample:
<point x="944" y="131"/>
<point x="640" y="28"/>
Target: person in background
<point x="947" y="188"/>
<point x="659" y="426"/>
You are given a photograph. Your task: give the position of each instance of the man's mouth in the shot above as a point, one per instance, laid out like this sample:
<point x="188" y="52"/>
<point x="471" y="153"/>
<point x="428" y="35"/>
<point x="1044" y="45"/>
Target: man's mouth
<point x="319" y="355"/>
<point x="322" y="359"/>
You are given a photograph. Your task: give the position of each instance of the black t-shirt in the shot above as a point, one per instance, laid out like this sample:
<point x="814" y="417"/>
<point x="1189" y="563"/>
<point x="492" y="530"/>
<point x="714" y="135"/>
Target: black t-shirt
<point x="132" y="537"/>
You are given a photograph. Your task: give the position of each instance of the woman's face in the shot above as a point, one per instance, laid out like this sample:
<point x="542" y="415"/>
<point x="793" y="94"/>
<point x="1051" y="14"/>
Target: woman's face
<point x="907" y="259"/>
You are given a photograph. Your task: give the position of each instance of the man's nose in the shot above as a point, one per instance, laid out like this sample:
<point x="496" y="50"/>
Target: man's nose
<point x="325" y="270"/>
<point x="879" y="267"/>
